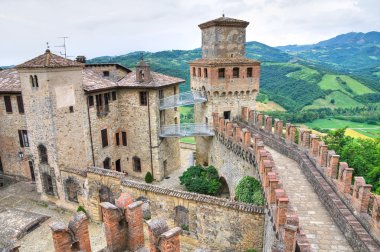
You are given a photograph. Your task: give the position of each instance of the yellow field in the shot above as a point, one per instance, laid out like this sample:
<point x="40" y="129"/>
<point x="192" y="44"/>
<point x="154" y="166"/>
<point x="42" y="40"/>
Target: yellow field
<point x="355" y="134"/>
<point x="269" y="106"/>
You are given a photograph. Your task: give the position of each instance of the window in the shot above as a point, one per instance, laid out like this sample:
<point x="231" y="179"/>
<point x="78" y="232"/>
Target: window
<point x="124" y="138"/>
<point x="194" y="73"/>
<point x="48" y="183"/>
<point x="31" y="79"/>
<point x="143" y="98"/>
<point x="175" y="90"/>
<point x="106" y="163"/>
<point x="221" y="72"/>
<point x="117" y="135"/>
<point x="118" y="165"/>
<point x="227" y="115"/>
<point x="199" y="72"/>
<point x="35" y="81"/>
<point x="1" y="166"/>
<point x="102" y="106"/>
<point x="136" y="164"/>
<point x="23" y="137"/>
<point x="20" y="104"/>
<point x="42" y="152"/>
<point x="8" y="104"/>
<point x="249" y="72"/>
<point x="235" y="72"/>
<point x="160" y="94"/>
<point x="104" y="138"/>
<point x="205" y="74"/>
<point x="106" y="73"/>
<point x="72" y="189"/>
<point x="114" y="95"/>
<point x="71" y="108"/>
<point x="181" y="218"/>
<point x="91" y="101"/>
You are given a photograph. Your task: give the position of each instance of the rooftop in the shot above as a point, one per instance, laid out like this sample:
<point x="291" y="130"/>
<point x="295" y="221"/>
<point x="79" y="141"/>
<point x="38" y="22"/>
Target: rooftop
<point x="224" y="21"/>
<point x="10" y="81"/>
<point x="158" y="80"/>
<point x="92" y="81"/>
<point x="49" y="60"/>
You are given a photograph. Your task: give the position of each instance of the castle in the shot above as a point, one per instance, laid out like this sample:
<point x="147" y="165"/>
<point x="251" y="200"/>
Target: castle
<point x="83" y="132"/>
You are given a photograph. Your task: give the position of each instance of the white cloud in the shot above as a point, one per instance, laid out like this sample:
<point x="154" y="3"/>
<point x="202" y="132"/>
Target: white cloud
<point x="114" y="27"/>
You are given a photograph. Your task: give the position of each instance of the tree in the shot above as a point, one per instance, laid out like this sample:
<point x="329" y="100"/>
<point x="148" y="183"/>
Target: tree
<point x="201" y="180"/>
<point x="249" y="190"/>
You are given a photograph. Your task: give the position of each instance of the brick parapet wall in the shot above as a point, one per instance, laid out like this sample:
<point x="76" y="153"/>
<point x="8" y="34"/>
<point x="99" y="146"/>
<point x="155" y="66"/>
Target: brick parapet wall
<point x="351" y="209"/>
<point x="282" y="215"/>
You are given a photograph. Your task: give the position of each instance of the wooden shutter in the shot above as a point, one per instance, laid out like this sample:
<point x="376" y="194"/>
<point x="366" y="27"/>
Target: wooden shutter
<point x="8" y="104"/>
<point x="20" y="104"/>
<point x="20" y="138"/>
<point x="104" y="138"/>
<point x="124" y="138"/>
<point x="117" y="136"/>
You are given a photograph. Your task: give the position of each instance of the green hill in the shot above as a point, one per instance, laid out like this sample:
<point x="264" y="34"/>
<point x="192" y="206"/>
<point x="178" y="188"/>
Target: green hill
<point x="293" y="82"/>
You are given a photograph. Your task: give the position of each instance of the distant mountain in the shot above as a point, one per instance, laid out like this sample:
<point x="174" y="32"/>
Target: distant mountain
<point x="293" y="77"/>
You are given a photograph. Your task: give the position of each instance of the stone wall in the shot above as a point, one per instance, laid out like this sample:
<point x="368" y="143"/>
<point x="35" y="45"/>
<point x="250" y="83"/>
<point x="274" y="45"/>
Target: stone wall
<point x="353" y="208"/>
<point x="10" y="146"/>
<point x="214" y="222"/>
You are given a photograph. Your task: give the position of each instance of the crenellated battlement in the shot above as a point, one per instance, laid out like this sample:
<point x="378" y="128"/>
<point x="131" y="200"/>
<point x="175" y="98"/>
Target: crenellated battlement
<point x="353" y="207"/>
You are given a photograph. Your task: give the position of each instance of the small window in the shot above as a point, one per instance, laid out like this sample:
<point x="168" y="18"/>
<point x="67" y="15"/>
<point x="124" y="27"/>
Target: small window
<point x="71" y="108"/>
<point x="249" y="72"/>
<point x="160" y="94"/>
<point x="42" y="152"/>
<point x="175" y="90"/>
<point x="118" y="165"/>
<point x="104" y="138"/>
<point x="136" y="164"/>
<point x="23" y="138"/>
<point x="106" y="73"/>
<point x="20" y="104"/>
<point x="91" y="101"/>
<point x="227" y="115"/>
<point x="99" y="100"/>
<point x="199" y="72"/>
<point x="205" y="74"/>
<point x="143" y="98"/>
<point x="235" y="72"/>
<point x="117" y="137"/>
<point x="107" y="163"/>
<point x="194" y="73"/>
<point x="48" y="183"/>
<point x="31" y="79"/>
<point x="221" y="72"/>
<point x="35" y="81"/>
<point x="124" y="138"/>
<point x="114" y="95"/>
<point x="8" y="104"/>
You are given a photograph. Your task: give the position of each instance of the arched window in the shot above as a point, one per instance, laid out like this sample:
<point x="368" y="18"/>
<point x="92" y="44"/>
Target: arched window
<point x="35" y="81"/>
<point x="42" y="152"/>
<point x="107" y="163"/>
<point x="31" y="79"/>
<point x="136" y="164"/>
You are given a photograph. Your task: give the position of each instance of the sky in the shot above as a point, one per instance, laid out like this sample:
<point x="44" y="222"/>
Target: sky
<point x="116" y="27"/>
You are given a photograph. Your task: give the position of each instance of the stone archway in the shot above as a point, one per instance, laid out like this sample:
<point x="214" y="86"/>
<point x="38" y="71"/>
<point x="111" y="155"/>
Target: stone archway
<point x="224" y="190"/>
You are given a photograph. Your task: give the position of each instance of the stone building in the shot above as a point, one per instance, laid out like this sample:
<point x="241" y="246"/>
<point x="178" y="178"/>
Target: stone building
<point x="61" y="115"/>
<point x="230" y="80"/>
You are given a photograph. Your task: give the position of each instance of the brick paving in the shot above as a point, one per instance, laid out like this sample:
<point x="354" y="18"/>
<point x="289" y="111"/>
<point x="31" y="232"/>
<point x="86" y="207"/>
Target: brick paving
<point x="320" y="228"/>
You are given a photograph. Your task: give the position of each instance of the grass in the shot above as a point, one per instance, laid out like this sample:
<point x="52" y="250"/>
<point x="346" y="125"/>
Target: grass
<point x="190" y="140"/>
<point x="306" y="74"/>
<point x="330" y="82"/>
<point x="341" y="101"/>
<point x="269" y="106"/>
<point x="366" y="129"/>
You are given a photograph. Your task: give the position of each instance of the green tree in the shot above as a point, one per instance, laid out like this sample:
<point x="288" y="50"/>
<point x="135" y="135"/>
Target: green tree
<point x="201" y="180"/>
<point x="249" y="190"/>
<point x="148" y="177"/>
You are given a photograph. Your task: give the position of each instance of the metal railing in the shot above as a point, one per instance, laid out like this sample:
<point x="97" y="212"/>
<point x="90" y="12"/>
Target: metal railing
<point x="186" y="129"/>
<point x="182" y="99"/>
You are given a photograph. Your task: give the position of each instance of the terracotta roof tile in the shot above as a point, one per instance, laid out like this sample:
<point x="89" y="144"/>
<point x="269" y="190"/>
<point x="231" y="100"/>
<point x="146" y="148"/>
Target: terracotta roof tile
<point x="225" y="61"/>
<point x="10" y="81"/>
<point x="224" y="21"/>
<point x="49" y="60"/>
<point x="158" y="80"/>
<point x="92" y="81"/>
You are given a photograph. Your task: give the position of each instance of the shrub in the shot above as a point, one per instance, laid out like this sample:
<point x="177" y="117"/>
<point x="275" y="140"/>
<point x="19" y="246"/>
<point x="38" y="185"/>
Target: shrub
<point x="248" y="190"/>
<point x="201" y="180"/>
<point x="148" y="178"/>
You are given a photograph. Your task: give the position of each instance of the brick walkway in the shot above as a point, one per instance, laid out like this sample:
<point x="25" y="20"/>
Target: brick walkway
<point x="318" y="225"/>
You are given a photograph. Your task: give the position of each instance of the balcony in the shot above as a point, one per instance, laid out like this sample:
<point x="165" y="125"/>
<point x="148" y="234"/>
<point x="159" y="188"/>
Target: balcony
<point x="186" y="129"/>
<point x="182" y="99"/>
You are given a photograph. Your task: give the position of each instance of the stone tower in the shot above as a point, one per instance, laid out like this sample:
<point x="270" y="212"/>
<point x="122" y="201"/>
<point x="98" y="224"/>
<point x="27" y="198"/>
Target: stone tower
<point x="229" y="79"/>
<point x="57" y="119"/>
